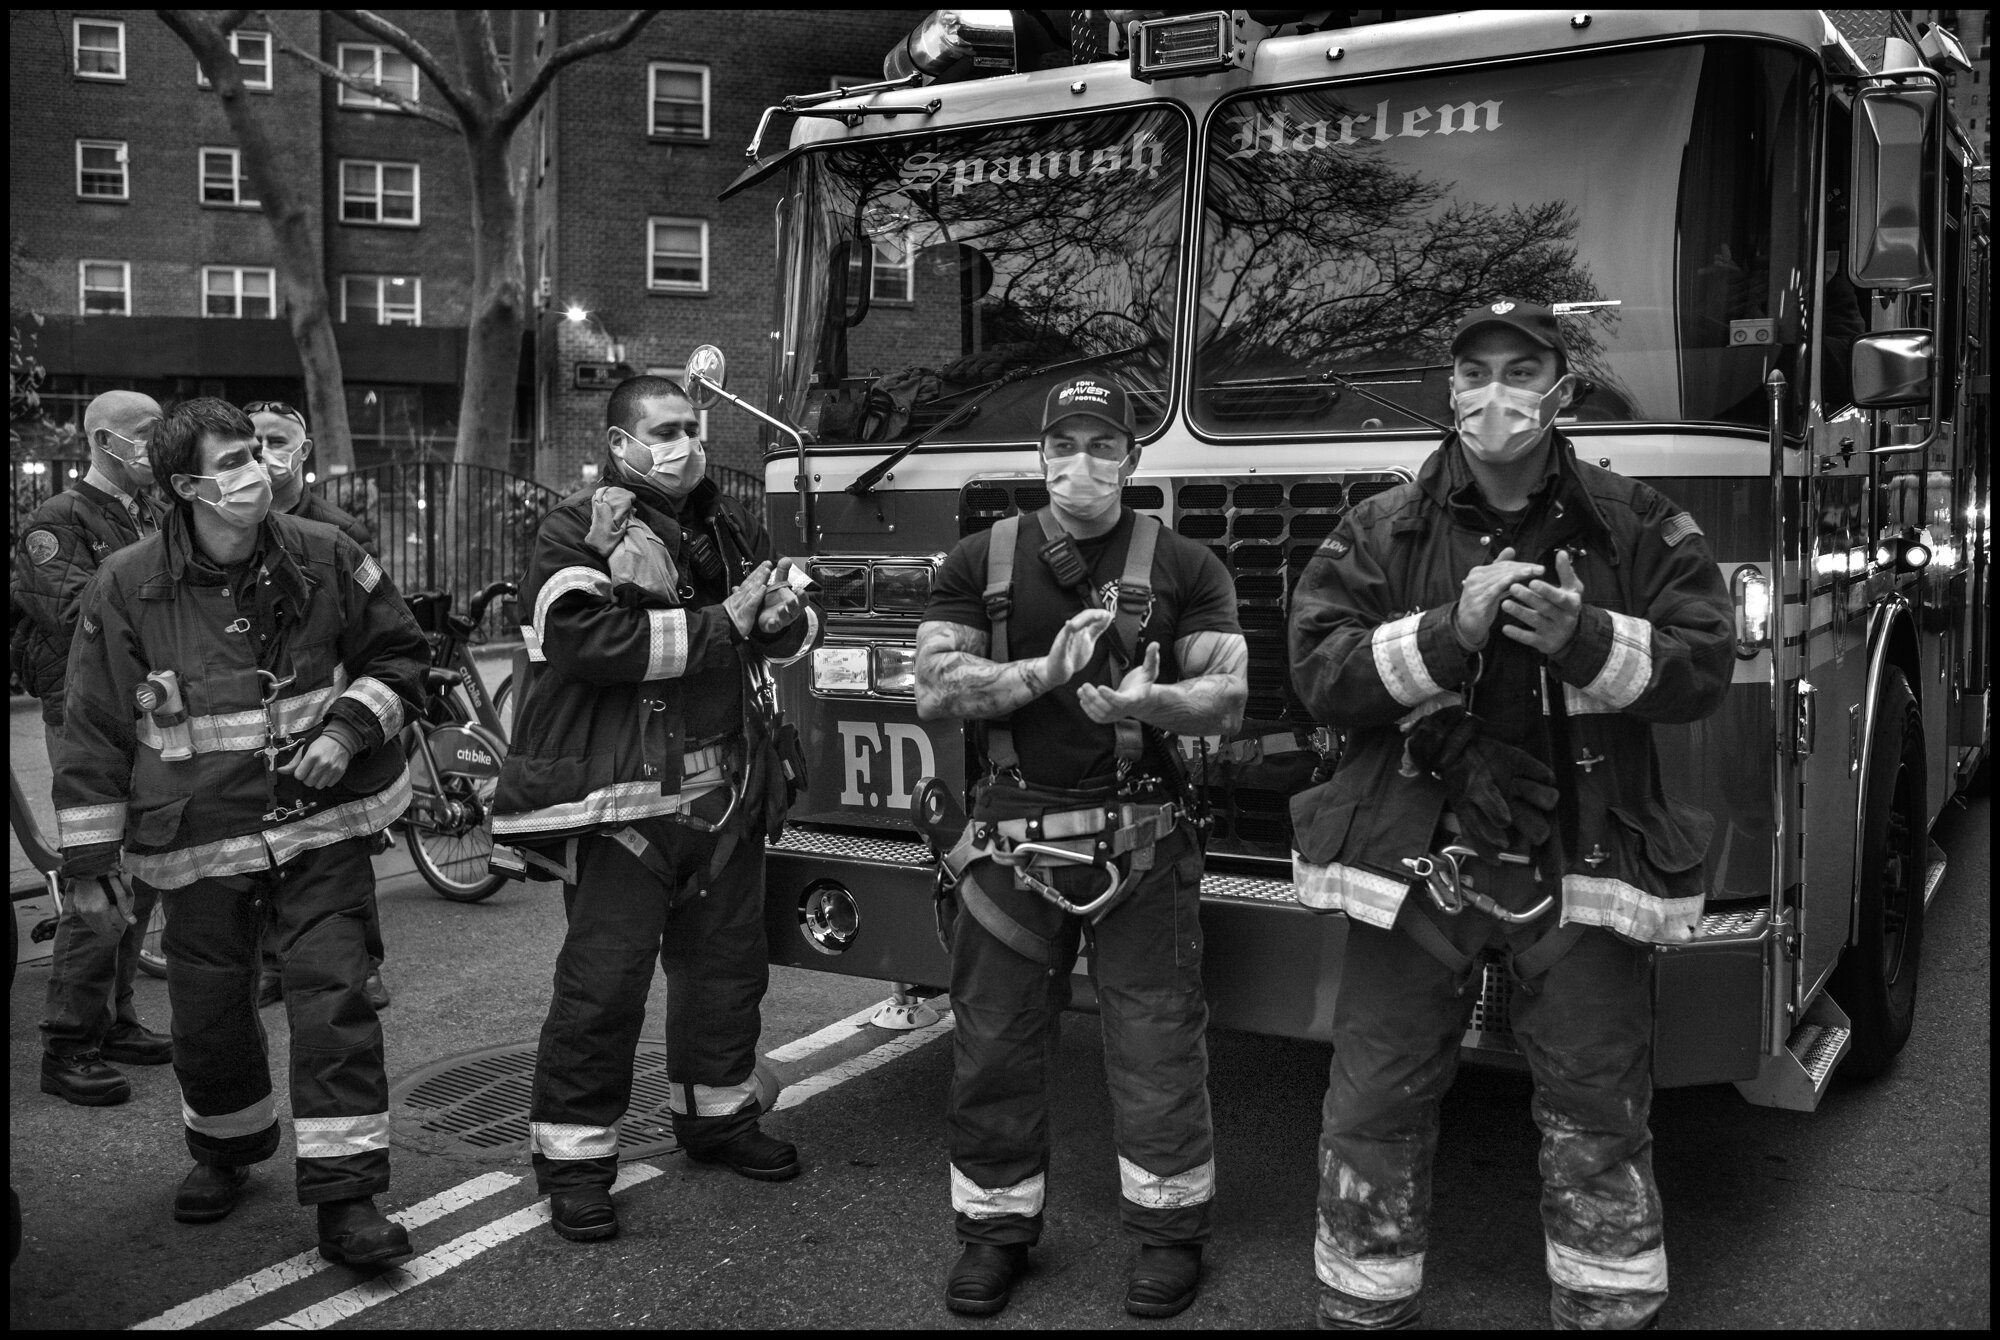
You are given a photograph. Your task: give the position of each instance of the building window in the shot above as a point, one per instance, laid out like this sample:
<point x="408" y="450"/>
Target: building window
<point x="679" y="101"/>
<point x="100" y="170"/>
<point x="378" y="65"/>
<point x="223" y="181"/>
<point x="238" y="291"/>
<point x="382" y="300"/>
<point x="677" y="255"/>
<point x="100" y="49"/>
<point x="895" y="272"/>
<point x="104" y="288"/>
<point x="253" y="55"/>
<point x="384" y="193"/>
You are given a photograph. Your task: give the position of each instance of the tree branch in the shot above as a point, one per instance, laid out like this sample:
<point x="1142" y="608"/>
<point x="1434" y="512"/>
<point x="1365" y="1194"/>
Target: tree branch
<point x="372" y="89"/>
<point x="420" y="56"/>
<point x="610" y="39"/>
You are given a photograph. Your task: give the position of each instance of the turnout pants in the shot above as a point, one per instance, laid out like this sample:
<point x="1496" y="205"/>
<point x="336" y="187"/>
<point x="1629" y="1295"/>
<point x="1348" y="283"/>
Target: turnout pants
<point x="312" y="908"/>
<point x="1584" y="1024"/>
<point x="91" y="973"/>
<point x="625" y="914"/>
<point x="1146" y="965"/>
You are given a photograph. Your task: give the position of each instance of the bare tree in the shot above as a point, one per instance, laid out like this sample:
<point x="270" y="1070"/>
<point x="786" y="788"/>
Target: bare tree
<point x="301" y="277"/>
<point x="484" y="107"/>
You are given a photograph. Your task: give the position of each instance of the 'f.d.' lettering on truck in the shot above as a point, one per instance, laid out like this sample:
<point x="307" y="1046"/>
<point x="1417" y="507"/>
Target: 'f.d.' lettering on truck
<point x="875" y="755"/>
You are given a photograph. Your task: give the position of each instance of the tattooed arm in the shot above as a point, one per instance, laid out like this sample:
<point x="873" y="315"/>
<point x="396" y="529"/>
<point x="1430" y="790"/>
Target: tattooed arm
<point x="1208" y="701"/>
<point x="954" y="678"/>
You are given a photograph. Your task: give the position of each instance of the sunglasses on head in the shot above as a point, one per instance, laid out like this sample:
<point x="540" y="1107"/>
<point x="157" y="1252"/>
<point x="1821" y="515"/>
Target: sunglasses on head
<point x="274" y="407"/>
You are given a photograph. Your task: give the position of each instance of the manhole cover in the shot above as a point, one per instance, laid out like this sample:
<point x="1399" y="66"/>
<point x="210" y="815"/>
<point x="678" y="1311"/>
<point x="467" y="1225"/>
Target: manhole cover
<point x="477" y="1102"/>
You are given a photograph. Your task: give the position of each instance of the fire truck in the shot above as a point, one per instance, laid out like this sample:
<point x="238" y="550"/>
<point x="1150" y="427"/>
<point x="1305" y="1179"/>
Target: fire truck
<point x="1762" y="234"/>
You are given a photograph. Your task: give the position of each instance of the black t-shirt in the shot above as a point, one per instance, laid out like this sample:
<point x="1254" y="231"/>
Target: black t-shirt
<point x="1058" y="744"/>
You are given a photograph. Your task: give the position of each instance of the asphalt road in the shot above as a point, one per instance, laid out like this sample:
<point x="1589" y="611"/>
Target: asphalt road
<point x="1872" y="1212"/>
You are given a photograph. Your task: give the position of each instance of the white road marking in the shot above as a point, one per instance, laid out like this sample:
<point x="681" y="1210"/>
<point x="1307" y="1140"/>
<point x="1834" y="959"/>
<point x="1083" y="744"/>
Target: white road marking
<point x="463" y="1248"/>
<point x="435" y="1262"/>
<point x="797" y="1093"/>
<point x="826" y="1037"/>
<point x="307" y="1264"/>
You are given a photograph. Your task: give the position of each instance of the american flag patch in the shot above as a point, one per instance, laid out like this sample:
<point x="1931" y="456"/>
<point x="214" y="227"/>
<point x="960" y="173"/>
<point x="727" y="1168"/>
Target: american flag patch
<point x="1679" y="528"/>
<point x="369" y="573"/>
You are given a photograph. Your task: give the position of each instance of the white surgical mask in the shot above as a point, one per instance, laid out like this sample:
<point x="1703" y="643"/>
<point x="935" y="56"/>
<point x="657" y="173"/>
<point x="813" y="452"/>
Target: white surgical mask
<point x="282" y="461"/>
<point x="1500" y="423"/>
<point x="1086" y="487"/>
<point x="675" y="465"/>
<point x="246" y="495"/>
<point x="138" y="460"/>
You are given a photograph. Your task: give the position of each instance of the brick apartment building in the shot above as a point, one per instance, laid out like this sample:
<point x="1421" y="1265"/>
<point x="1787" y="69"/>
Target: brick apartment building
<point x="131" y="230"/>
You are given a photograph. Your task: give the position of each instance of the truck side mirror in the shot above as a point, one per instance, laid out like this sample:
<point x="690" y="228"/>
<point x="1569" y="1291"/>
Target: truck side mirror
<point x="707" y="377"/>
<point x="1894" y="368"/>
<point x="1892" y="209"/>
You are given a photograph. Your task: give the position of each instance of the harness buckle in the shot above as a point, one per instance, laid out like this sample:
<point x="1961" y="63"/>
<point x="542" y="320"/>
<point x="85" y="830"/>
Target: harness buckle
<point x="277" y="740"/>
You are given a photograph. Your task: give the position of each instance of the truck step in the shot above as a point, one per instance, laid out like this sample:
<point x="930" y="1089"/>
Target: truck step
<point x="1798" y="1076"/>
<point x="1934" y="873"/>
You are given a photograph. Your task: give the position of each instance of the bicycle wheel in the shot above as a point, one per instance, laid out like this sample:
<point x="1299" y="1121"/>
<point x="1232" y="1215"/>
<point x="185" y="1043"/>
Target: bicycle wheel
<point x="456" y="860"/>
<point x="152" y="960"/>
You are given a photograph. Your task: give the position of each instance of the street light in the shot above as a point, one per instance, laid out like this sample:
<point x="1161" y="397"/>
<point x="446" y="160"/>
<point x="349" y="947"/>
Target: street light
<point x="576" y="315"/>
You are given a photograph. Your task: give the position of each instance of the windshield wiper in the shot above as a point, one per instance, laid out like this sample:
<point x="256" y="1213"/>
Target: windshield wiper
<point x="865" y="482"/>
<point x="1330" y="377"/>
<point x="1387" y="403"/>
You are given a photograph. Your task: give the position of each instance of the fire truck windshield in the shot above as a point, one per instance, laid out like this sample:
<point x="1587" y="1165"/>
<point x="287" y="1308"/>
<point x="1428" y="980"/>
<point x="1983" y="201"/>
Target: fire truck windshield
<point x="924" y="270"/>
<point x="1660" y="199"/>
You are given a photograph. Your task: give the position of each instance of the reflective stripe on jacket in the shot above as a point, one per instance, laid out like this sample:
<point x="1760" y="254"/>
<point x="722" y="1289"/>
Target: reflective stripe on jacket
<point x="600" y="734"/>
<point x="352" y="653"/>
<point x="1372" y="646"/>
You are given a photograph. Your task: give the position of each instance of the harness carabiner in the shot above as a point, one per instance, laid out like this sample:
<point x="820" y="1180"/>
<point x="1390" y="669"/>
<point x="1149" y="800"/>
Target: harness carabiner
<point x="1443" y="878"/>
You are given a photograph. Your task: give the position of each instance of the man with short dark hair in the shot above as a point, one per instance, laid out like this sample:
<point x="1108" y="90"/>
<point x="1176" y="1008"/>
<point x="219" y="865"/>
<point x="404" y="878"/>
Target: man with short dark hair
<point x="1079" y="636"/>
<point x="1497" y="639"/>
<point x="90" y="1019"/>
<point x="646" y="773"/>
<point x="235" y="692"/>
<point x="281" y="432"/>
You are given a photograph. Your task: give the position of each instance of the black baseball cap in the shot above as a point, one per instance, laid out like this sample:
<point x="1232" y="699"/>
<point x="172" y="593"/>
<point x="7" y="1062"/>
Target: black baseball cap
<point x="1092" y="398"/>
<point x="1531" y="319"/>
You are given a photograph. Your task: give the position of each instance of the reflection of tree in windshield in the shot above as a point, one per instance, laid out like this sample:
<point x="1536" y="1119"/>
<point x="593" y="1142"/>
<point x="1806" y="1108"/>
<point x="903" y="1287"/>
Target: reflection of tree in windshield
<point x="1335" y="256"/>
<point x="1033" y="245"/>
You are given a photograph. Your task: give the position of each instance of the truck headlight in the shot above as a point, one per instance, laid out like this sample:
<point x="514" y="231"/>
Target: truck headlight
<point x="840" y="669"/>
<point x="896" y="669"/>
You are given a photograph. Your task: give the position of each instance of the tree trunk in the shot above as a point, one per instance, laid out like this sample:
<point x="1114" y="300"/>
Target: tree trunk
<point x="499" y="304"/>
<point x="301" y="279"/>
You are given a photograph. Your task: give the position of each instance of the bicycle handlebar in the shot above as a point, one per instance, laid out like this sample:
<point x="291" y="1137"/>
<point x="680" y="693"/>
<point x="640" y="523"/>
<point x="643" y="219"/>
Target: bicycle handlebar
<point x="476" y="611"/>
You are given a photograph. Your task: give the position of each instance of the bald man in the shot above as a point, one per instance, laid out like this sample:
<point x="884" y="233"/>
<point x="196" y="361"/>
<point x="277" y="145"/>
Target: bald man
<point x="90" y="1019"/>
<point x="281" y="432"/>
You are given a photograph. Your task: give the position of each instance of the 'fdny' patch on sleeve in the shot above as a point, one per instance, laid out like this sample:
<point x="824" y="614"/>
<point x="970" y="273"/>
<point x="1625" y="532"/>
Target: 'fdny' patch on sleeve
<point x="1335" y="544"/>
<point x="42" y="546"/>
<point x="89" y="626"/>
<point x="1678" y="528"/>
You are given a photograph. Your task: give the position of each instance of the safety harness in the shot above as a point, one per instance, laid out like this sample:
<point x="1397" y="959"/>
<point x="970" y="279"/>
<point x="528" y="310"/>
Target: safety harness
<point x="1037" y="831"/>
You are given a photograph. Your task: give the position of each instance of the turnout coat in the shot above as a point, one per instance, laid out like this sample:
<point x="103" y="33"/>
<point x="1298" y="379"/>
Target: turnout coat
<point x="1373" y="650"/>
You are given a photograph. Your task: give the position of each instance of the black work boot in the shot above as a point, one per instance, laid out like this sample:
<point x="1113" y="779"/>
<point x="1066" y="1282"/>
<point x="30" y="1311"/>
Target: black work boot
<point x="208" y="1193"/>
<point x="355" y="1233"/>
<point x="84" y="1079"/>
<point x="585" y="1214"/>
<point x="983" y="1280"/>
<point x="136" y="1044"/>
<point x="1164" y="1280"/>
<point x="754" y="1154"/>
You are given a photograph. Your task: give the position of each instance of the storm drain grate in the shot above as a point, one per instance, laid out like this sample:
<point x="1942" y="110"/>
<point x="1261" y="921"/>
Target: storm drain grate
<point x="477" y="1102"/>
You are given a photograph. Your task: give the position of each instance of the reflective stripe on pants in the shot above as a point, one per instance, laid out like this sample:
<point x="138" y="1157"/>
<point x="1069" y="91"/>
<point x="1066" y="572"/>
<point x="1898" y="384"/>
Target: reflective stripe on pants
<point x="1146" y="963"/>
<point x="623" y="918"/>
<point x="313" y="907"/>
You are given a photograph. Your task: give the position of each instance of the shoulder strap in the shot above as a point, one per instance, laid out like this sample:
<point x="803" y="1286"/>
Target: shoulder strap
<point x="999" y="594"/>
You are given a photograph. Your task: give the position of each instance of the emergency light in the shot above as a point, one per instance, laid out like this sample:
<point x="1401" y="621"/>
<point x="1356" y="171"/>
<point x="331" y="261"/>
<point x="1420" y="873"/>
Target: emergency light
<point x="954" y="44"/>
<point x="1188" y="44"/>
<point x="1905" y="551"/>
<point x="1752" y="592"/>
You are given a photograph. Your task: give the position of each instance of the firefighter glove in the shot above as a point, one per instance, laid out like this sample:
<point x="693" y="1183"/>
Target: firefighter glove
<point x="1501" y="795"/>
<point x="101" y="902"/>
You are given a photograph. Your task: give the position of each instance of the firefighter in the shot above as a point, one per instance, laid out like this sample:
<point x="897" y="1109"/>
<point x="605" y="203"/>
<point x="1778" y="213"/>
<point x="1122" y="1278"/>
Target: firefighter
<point x="1078" y="635"/>
<point x="645" y="774"/>
<point x="90" y="1019"/>
<point x="1497" y="639"/>
<point x="281" y="432"/>
<point x="235" y="692"/>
